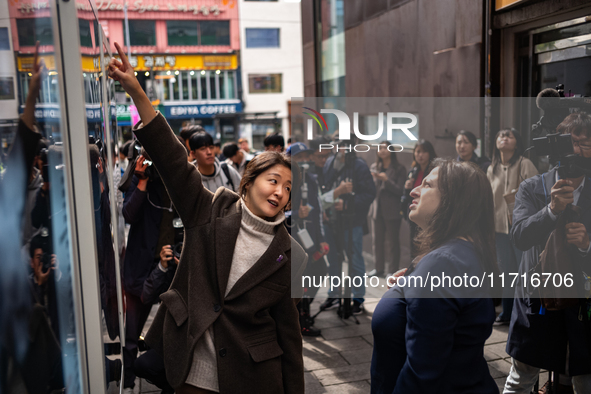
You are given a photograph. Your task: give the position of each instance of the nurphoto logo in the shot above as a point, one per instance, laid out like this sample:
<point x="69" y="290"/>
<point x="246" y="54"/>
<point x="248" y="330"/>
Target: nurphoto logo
<point x="392" y="123"/>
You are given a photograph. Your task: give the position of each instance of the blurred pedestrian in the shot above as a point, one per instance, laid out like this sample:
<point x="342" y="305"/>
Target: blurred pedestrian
<point x="213" y="173"/>
<point x="422" y="164"/>
<point x="466" y="143"/>
<point x="509" y="168"/>
<point x="388" y="175"/>
<point x="229" y="321"/>
<point x="433" y="343"/>
<point x="274" y="142"/>
<point x="236" y="157"/>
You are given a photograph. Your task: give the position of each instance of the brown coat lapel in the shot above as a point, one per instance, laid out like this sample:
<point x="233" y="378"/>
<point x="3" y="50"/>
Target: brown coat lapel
<point x="226" y="233"/>
<point x="275" y="257"/>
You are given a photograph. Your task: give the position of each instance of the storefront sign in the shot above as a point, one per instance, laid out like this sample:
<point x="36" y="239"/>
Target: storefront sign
<point x="200" y="110"/>
<point x="137" y="6"/>
<point x="183" y="62"/>
<point x="89" y="63"/>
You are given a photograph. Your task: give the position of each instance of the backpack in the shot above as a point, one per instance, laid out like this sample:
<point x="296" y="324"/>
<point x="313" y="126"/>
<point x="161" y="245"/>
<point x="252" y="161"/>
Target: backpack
<point x="227" y="172"/>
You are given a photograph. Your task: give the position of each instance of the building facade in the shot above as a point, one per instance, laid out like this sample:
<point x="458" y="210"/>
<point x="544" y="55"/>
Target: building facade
<point x="271" y="66"/>
<point x="441" y="49"/>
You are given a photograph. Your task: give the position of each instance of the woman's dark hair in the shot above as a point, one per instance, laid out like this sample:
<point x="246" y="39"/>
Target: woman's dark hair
<point x="466" y="209"/>
<point x="470" y="136"/>
<point x="496" y="160"/>
<point x="578" y="123"/>
<point x="200" y="139"/>
<point x="426" y="146"/>
<point x="262" y="163"/>
<point x="393" y="159"/>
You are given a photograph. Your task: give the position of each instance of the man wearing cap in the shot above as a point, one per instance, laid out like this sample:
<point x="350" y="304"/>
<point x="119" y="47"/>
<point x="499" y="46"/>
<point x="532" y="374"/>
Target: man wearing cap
<point x="306" y="227"/>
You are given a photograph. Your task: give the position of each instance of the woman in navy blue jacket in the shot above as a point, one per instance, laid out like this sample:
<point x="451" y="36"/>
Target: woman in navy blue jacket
<point x="431" y="339"/>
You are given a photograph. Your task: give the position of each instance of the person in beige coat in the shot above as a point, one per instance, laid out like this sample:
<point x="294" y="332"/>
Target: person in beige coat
<point x="228" y="323"/>
<point x="508" y="169"/>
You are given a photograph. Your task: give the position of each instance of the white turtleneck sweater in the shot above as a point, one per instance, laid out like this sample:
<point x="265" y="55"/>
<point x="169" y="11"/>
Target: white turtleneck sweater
<point x="253" y="240"/>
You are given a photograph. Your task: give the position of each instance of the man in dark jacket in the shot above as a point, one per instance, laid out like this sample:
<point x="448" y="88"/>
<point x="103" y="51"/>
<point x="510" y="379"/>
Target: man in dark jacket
<point x="347" y="222"/>
<point x="149" y="211"/>
<point x="306" y="226"/>
<point x="557" y="340"/>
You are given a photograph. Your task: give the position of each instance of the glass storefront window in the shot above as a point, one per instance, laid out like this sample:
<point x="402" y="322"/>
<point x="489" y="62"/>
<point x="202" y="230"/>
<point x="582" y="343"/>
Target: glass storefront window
<point x="230" y="84"/>
<point x="194" y="85"/>
<point x="181" y="32"/>
<point x="31" y="30"/>
<point x="85" y="36"/>
<point x="186" y="84"/>
<point x="214" y="33"/>
<point x="213" y="93"/>
<point x="141" y="32"/>
<point x="264" y="83"/>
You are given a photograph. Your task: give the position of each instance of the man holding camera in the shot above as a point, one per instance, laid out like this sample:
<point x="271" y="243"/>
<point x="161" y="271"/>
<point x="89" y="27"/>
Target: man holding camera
<point x="149" y="211"/>
<point x="351" y="192"/>
<point x="555" y="340"/>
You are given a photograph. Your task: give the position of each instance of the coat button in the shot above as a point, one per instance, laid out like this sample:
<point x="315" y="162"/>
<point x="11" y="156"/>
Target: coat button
<point x="222" y="352"/>
<point x="216" y="307"/>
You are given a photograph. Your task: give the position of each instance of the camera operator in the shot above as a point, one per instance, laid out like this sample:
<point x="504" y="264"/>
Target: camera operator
<point x="149" y="211"/>
<point x="213" y="174"/>
<point x="150" y="365"/>
<point x="306" y="226"/>
<point x="351" y="192"/>
<point x="555" y="340"/>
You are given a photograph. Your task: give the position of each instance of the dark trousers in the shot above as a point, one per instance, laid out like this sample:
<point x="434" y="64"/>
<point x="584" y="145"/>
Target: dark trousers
<point x="509" y="258"/>
<point x="135" y="318"/>
<point x="150" y="366"/>
<point x="386" y="244"/>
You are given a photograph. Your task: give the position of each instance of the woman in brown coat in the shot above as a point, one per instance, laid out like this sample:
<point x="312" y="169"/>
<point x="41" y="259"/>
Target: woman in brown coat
<point x="388" y="175"/>
<point x="229" y="323"/>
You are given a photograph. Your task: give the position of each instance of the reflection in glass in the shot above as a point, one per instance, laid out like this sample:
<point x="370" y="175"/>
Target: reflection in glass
<point x="38" y="333"/>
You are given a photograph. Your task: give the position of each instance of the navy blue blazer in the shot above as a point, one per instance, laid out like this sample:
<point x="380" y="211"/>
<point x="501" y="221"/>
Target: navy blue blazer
<point x="434" y="345"/>
<point x="540" y="340"/>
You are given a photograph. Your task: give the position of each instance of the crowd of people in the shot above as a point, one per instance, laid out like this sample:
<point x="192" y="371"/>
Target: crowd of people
<point x="221" y="236"/>
<point x="237" y="209"/>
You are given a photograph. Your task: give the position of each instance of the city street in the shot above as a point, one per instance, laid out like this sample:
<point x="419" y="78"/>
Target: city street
<point x="339" y="360"/>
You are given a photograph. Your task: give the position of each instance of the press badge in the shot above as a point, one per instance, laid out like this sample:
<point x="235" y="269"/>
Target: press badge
<point x="305" y="238"/>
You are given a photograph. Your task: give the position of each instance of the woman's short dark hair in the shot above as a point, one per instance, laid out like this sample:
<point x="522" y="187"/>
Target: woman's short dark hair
<point x="496" y="160"/>
<point x="466" y="209"/>
<point x="470" y="136"/>
<point x="200" y="139"/>
<point x="578" y="123"/>
<point x="262" y="163"/>
<point x="427" y="147"/>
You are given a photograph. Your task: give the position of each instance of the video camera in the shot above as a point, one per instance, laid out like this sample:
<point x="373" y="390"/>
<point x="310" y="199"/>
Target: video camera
<point x="558" y="147"/>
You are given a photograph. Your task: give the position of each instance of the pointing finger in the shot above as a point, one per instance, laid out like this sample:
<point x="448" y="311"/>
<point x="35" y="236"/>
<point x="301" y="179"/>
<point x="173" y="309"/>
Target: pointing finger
<point x="122" y="55"/>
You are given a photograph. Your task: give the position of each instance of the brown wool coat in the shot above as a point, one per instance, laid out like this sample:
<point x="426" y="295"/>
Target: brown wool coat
<point x="256" y="329"/>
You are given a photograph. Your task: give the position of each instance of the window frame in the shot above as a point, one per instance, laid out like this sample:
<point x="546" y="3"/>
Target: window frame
<point x="252" y="29"/>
